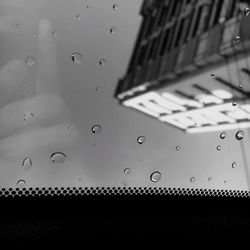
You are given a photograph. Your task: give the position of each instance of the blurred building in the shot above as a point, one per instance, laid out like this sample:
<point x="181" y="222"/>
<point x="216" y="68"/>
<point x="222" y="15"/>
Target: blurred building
<point x="191" y="64"/>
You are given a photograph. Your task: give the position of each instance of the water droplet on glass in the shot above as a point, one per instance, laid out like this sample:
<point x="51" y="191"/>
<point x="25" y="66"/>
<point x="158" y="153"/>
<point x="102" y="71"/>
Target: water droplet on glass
<point x="127" y="171"/>
<point x="58" y="157"/>
<point x="192" y="179"/>
<point x="219" y="147"/>
<point x="234" y="164"/>
<point x="115" y="6"/>
<point x="28" y="116"/>
<point x="155" y="177"/>
<point x="246" y="11"/>
<point x="141" y="139"/>
<point x="234" y="103"/>
<point x="16" y="25"/>
<point x="27" y="163"/>
<point x="223" y="135"/>
<point x="239" y="135"/>
<point x="21" y="183"/>
<point x="178" y="148"/>
<point x="213" y="74"/>
<point x="96" y="129"/>
<point x="112" y="30"/>
<point x="102" y="62"/>
<point x="30" y="61"/>
<point x="237" y="39"/>
<point x="240" y="86"/>
<point x="70" y="127"/>
<point x="76" y="58"/>
<point x="210" y="179"/>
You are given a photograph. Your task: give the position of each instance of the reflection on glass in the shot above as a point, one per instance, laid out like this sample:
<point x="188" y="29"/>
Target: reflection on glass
<point x="159" y="86"/>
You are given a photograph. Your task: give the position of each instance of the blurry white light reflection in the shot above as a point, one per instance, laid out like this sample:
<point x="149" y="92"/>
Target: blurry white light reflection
<point x="200" y="119"/>
<point x="223" y="94"/>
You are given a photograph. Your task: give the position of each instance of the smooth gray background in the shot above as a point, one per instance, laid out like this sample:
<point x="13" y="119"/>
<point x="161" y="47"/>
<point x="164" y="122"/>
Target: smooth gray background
<point x="87" y="90"/>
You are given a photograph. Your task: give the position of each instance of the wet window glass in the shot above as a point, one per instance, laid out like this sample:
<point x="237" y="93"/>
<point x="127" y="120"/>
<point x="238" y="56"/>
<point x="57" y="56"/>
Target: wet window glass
<point x="126" y="93"/>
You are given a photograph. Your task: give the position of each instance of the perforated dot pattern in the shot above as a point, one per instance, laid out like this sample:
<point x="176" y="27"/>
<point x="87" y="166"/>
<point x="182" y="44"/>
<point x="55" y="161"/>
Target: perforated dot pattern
<point x="91" y="191"/>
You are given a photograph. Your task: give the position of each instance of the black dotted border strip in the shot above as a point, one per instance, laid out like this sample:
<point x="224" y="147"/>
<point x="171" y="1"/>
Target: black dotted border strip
<point x="88" y="191"/>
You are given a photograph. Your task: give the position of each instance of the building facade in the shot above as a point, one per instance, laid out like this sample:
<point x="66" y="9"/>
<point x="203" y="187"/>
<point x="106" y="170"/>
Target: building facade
<point x="191" y="64"/>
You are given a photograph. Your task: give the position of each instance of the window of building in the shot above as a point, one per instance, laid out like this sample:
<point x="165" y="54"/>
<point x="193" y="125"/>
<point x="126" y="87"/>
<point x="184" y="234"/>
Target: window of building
<point x="189" y="22"/>
<point x="204" y="19"/>
<point x="135" y="56"/>
<point x="180" y="32"/>
<point x="150" y="26"/>
<point x="164" y="43"/>
<point x="174" y="8"/>
<point x="232" y="9"/>
<point x="152" y="49"/>
<point x="197" y="21"/>
<point x="172" y="35"/>
<point x="209" y="6"/>
<point x="224" y="14"/>
<point x="164" y="15"/>
<point x="218" y="11"/>
<point x="157" y="47"/>
<point x="142" y="55"/>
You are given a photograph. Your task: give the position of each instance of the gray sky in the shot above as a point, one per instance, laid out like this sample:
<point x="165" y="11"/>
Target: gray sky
<point x="101" y="158"/>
